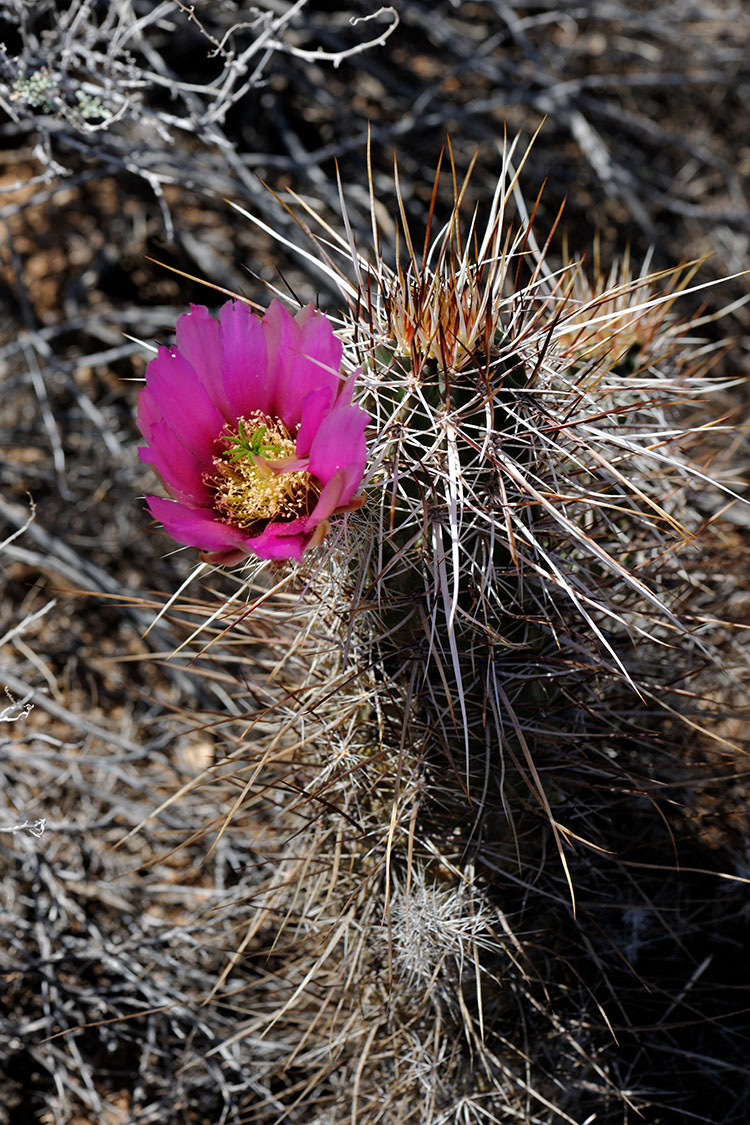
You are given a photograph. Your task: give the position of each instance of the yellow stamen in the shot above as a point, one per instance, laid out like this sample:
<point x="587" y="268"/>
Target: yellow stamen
<point x="247" y="488"/>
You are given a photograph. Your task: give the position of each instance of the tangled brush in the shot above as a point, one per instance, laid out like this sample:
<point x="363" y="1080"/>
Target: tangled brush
<point x="480" y="679"/>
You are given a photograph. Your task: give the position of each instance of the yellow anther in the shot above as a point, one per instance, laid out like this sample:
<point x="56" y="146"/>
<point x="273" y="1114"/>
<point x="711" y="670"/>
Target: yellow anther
<point x="247" y="487"/>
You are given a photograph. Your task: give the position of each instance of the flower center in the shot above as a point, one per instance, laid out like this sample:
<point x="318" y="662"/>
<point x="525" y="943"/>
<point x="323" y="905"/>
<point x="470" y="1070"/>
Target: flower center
<point x="248" y="487"/>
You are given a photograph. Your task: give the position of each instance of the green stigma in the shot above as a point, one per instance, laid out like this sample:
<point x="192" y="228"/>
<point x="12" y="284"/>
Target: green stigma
<point x="254" y="446"/>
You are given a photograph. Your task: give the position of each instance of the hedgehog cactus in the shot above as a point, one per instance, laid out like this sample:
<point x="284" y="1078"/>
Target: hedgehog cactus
<point x="527" y="473"/>
<point x="453" y="659"/>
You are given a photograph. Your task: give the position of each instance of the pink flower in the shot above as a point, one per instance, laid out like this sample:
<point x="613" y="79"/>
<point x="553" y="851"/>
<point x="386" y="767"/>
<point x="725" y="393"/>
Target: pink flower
<point x="252" y="430"/>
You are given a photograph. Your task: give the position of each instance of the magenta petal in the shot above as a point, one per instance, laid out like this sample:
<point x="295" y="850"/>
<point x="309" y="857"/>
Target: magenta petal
<point x="199" y="341"/>
<point x="318" y="339"/>
<point x="281" y="333"/>
<point x="332" y="496"/>
<point x="340" y="444"/>
<point x="315" y="406"/>
<point x="281" y="541"/>
<point x="346" y="389"/>
<point x="195" y="527"/>
<point x="313" y="362"/>
<point x="148" y="413"/>
<point x="305" y="315"/>
<point x="181" y="471"/>
<point x="178" y="393"/>
<point x="248" y="377"/>
<point x="287" y="464"/>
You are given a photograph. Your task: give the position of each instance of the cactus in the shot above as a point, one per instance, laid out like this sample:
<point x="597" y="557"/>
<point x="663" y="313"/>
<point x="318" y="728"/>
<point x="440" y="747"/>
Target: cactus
<point x="462" y="674"/>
